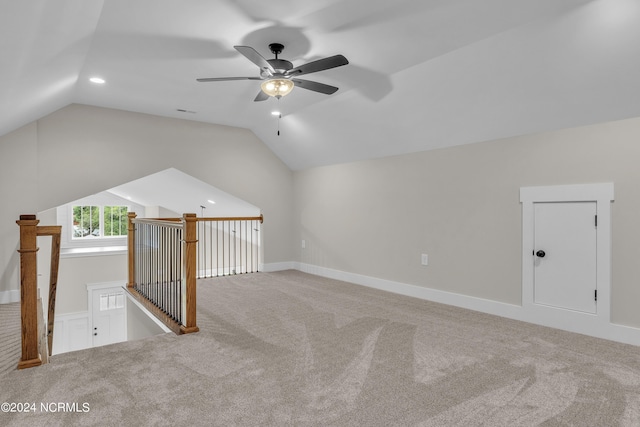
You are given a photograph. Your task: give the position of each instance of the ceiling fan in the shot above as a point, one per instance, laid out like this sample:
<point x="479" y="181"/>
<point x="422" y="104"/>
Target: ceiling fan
<point x="279" y="75"/>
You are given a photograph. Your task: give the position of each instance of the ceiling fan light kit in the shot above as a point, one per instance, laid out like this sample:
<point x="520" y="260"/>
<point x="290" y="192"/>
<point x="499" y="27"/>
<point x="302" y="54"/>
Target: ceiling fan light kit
<point x="277" y="87"/>
<point x="279" y="75"/>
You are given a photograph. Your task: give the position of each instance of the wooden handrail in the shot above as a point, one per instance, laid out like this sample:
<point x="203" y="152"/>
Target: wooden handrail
<point x="234" y="218"/>
<point x="226" y="218"/>
<point x="166" y="222"/>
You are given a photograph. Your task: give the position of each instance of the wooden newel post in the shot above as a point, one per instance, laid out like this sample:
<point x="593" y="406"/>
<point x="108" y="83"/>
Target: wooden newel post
<point x="29" y="291"/>
<point x="189" y="273"/>
<point x="131" y="249"/>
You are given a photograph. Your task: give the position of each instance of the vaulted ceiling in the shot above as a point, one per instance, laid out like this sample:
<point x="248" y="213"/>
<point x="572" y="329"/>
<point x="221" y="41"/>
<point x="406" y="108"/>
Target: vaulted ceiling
<point x="423" y="74"/>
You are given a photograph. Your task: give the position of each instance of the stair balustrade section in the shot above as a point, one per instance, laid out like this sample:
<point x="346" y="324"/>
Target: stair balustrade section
<point x="228" y="246"/>
<point x="168" y="255"/>
<point x="162" y="260"/>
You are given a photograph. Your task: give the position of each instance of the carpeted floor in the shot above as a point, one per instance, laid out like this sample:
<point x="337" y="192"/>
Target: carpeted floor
<point x="10" y="345"/>
<point x="291" y="349"/>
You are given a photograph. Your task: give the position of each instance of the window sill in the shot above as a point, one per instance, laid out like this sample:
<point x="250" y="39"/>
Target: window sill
<point x="97" y="251"/>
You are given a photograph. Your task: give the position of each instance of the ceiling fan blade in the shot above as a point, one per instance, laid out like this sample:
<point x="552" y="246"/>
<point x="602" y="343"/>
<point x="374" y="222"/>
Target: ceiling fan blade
<point x="319" y="65"/>
<point x="261" y="97"/>
<point x="315" y="86"/>
<point x="226" y="79"/>
<point x="252" y="55"/>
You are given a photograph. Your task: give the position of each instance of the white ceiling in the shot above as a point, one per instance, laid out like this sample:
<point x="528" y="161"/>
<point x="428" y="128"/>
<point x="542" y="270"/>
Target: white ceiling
<point x="423" y="74"/>
<point x="179" y="192"/>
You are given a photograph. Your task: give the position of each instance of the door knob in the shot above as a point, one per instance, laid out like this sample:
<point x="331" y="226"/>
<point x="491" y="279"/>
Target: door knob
<point x="540" y="254"/>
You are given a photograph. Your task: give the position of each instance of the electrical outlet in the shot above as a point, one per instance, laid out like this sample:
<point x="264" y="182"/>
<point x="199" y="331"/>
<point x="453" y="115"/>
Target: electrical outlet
<point x="425" y="259"/>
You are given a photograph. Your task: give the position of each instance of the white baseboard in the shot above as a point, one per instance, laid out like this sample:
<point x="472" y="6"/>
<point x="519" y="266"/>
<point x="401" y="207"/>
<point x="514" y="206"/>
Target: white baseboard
<point x="544" y="317"/>
<point x="7" y="297"/>
<point x="278" y="266"/>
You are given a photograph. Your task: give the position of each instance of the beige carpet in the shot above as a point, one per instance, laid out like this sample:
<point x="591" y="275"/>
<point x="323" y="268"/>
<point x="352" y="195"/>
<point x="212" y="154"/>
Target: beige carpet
<point x="290" y="349"/>
<point x="10" y="345"/>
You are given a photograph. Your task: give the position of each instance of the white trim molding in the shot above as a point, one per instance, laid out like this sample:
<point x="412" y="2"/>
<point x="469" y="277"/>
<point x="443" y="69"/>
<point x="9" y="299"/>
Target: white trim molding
<point x="278" y="266"/>
<point x="7" y="297"/>
<point x="421" y="292"/>
<point x="610" y="331"/>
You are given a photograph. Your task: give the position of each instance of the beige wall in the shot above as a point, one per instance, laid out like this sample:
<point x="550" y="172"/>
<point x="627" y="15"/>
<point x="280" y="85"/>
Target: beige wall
<point x="75" y="272"/>
<point x="461" y="207"/>
<point x="18" y="189"/>
<point x="81" y="150"/>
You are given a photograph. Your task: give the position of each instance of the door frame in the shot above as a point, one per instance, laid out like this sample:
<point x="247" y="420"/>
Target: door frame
<point x="574" y="321"/>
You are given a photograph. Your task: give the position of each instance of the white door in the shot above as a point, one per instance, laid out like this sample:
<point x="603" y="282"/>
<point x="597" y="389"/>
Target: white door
<point x="108" y="316"/>
<point x="564" y="255"/>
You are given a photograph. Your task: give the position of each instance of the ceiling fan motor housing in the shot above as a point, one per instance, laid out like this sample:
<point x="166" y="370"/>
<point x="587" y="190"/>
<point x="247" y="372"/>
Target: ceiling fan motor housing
<point x="280" y="65"/>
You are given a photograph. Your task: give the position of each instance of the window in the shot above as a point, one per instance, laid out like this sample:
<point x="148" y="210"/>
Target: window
<point x="99" y="221"/>
<point x="115" y="221"/>
<point x="111" y="301"/>
<point x="95" y="225"/>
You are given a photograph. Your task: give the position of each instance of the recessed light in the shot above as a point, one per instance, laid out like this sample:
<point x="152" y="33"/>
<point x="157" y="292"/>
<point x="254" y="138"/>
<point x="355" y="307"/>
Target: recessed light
<point x="211" y="201"/>
<point x="97" y="80"/>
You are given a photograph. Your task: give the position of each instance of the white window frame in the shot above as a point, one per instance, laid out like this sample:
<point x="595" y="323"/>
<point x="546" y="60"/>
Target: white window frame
<point x="104" y="245"/>
<point x="102" y="222"/>
<point x="88" y="242"/>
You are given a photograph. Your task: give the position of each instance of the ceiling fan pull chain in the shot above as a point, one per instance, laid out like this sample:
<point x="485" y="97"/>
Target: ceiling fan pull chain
<point x="279" y="116"/>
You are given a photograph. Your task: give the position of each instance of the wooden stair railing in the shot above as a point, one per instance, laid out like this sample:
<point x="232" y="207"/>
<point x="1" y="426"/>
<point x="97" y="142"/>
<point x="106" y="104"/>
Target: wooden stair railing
<point x="29" y="232"/>
<point x="164" y="261"/>
<point x="175" y="307"/>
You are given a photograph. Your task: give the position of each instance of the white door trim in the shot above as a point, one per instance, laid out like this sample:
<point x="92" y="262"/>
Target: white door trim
<point x="603" y="195"/>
